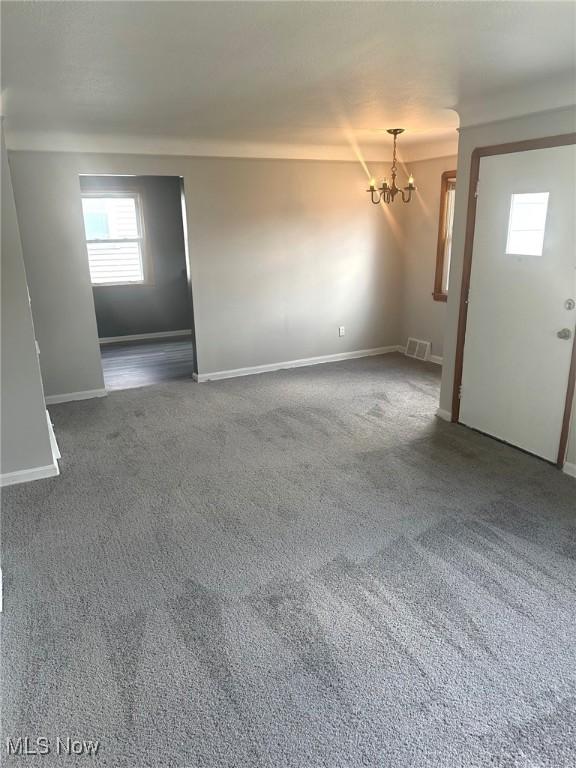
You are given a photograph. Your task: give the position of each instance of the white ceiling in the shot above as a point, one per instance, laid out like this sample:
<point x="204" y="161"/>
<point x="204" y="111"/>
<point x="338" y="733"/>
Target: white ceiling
<point x="277" y="74"/>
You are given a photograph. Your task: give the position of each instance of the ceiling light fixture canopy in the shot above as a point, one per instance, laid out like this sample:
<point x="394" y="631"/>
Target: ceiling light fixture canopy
<point x="387" y="192"/>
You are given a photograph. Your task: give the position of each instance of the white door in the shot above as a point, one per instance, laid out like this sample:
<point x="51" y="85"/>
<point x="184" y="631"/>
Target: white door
<point x="520" y="317"/>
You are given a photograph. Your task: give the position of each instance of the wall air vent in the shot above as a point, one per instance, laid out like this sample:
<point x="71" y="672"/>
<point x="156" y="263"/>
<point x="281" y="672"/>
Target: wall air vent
<point x="418" y="349"/>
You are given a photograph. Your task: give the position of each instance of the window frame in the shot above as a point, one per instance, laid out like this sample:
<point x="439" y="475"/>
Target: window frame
<point x="147" y="277"/>
<point x="439" y="293"/>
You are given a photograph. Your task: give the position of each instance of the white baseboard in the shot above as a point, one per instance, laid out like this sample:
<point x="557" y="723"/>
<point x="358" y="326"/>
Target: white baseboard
<point x="145" y="336"/>
<point x="68" y="397"/>
<point x="569" y="469"/>
<point x="53" y="444"/>
<point x="444" y="415"/>
<point x="233" y="373"/>
<point x="36" y="473"/>
<point x="27" y="475"/>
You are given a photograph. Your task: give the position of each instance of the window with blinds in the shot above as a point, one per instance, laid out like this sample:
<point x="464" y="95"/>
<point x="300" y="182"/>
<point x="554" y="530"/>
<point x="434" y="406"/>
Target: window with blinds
<point x="448" y="227"/>
<point x="114" y="238"/>
<point x="445" y="226"/>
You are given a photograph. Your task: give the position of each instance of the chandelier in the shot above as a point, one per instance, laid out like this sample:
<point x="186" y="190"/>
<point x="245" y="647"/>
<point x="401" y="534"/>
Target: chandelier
<point x="387" y="192"/>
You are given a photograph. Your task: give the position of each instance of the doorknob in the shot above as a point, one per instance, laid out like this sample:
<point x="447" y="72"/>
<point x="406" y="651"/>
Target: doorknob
<point x="565" y="333"/>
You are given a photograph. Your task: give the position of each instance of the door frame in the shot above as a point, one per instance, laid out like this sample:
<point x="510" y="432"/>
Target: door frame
<point x="478" y="153"/>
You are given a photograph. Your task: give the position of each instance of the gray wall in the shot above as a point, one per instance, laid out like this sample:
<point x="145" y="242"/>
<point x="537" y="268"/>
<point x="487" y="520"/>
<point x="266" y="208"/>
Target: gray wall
<point x="52" y="232"/>
<point x="284" y="252"/>
<point x="558" y="121"/>
<point x="25" y="442"/>
<point x="165" y="303"/>
<point x="281" y="254"/>
<point x="422" y="317"/>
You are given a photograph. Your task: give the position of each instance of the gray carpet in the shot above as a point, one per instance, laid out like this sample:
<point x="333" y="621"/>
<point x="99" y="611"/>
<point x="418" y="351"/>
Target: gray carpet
<point x="292" y="570"/>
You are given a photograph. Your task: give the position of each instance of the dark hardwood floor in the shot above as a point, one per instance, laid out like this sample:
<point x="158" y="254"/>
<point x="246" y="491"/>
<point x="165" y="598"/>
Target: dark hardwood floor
<point x="139" y="364"/>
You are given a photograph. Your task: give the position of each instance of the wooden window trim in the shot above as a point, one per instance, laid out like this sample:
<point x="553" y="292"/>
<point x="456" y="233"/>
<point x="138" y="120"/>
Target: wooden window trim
<point x="439" y="294"/>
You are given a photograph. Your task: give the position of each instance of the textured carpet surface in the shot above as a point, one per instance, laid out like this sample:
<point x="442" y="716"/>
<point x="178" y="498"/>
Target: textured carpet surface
<point x="292" y="570"/>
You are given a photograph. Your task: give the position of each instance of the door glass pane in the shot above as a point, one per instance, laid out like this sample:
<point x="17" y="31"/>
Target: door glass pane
<point x="527" y="223"/>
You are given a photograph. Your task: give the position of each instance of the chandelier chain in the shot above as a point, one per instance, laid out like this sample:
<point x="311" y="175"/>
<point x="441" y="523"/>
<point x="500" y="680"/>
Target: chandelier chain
<point x="394" y="158"/>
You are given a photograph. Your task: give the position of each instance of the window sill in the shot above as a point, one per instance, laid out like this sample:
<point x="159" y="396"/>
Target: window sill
<point x="139" y="284"/>
<point x="440" y="297"/>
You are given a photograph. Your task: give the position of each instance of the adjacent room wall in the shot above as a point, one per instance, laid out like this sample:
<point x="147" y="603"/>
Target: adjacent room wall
<point x="282" y="252"/>
<point x="422" y="317"/>
<point x="528" y="127"/>
<point x="163" y="304"/>
<point x="25" y="443"/>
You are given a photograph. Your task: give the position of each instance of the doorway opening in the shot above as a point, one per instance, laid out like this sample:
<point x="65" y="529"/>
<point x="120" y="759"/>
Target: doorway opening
<point x="140" y="272"/>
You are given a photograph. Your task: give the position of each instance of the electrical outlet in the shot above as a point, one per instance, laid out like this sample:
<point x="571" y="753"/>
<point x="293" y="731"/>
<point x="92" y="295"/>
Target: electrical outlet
<point x="341" y="330"/>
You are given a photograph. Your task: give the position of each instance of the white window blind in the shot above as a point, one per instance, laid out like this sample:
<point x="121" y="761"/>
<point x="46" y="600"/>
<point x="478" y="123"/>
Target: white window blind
<point x="114" y="238"/>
